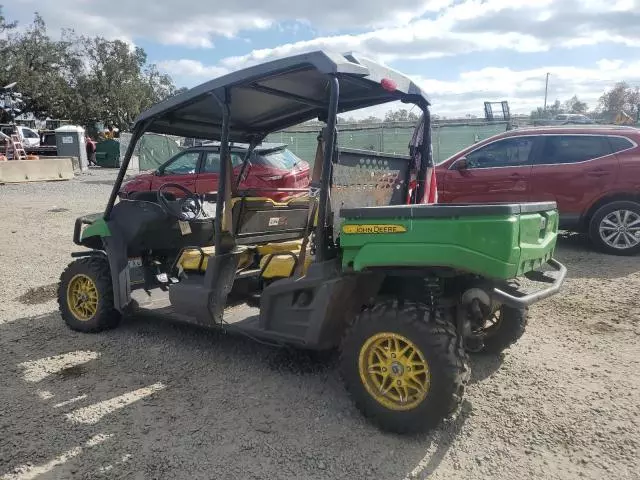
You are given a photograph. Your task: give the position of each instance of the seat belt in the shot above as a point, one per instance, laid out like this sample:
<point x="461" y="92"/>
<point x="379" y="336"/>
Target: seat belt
<point x="314" y="197"/>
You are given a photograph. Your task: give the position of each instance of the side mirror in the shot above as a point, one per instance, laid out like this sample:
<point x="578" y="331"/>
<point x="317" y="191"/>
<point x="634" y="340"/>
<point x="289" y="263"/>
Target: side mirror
<point x="461" y="164"/>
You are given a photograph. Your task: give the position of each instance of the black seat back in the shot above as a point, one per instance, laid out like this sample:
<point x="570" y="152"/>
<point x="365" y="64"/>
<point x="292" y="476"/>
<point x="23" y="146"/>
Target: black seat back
<point x="146" y="226"/>
<point x="261" y="220"/>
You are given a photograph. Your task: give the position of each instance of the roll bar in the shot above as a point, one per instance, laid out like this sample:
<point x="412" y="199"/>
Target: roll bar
<point x="322" y="238"/>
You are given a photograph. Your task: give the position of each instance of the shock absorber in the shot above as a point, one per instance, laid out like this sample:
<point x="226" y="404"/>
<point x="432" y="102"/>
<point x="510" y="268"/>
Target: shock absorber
<point x="475" y="303"/>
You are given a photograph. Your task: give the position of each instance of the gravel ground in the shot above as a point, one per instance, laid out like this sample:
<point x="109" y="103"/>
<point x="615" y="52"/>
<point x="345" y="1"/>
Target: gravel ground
<point x="154" y="399"/>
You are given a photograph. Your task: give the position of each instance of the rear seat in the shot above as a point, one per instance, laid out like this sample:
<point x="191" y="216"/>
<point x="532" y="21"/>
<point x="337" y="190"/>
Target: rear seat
<point x="260" y="220"/>
<point x="257" y="220"/>
<point x="197" y="259"/>
<point x="280" y="266"/>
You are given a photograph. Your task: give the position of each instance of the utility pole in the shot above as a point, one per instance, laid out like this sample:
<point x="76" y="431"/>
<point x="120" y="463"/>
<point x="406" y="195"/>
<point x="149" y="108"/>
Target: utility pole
<point x="546" y="90"/>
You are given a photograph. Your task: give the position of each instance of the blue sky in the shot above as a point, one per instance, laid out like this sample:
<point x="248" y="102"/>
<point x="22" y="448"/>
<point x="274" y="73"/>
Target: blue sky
<point x="462" y="51"/>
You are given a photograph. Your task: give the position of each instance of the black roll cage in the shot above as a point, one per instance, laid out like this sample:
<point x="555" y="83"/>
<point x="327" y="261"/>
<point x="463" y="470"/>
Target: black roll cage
<point x="334" y="108"/>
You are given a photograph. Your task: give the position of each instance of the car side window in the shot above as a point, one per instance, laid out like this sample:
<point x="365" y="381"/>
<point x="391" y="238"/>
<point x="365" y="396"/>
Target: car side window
<point x="29" y="134"/>
<point x="572" y="149"/>
<point x="185" y="164"/>
<point x="212" y="162"/>
<point x="509" y="152"/>
<point x="236" y="160"/>
<point x="619" y="144"/>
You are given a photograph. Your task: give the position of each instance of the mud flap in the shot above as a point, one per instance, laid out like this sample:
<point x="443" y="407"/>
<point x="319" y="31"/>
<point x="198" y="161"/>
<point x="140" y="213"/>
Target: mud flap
<point x="116" y="251"/>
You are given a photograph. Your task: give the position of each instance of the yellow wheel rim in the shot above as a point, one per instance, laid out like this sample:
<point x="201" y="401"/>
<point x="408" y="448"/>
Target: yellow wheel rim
<point x="82" y="297"/>
<point x="394" y="371"/>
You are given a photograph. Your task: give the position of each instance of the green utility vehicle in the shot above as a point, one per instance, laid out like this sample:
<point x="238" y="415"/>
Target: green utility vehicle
<point x="357" y="261"/>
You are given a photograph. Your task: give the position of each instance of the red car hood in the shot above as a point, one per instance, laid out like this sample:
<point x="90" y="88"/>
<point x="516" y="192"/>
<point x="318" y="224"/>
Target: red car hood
<point x="138" y="183"/>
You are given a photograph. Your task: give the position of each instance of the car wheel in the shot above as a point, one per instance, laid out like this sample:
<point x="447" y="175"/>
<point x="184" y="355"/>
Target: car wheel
<point x="615" y="228"/>
<point x="505" y="328"/>
<point x="404" y="366"/>
<point x="85" y="295"/>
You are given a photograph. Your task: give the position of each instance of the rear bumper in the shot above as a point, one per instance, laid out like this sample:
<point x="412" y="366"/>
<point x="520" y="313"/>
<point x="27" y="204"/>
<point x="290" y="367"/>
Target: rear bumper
<point x="519" y="299"/>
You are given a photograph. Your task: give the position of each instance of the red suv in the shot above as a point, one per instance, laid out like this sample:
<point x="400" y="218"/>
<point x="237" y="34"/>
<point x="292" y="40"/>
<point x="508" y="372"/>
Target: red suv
<point x="271" y="166"/>
<point x="593" y="173"/>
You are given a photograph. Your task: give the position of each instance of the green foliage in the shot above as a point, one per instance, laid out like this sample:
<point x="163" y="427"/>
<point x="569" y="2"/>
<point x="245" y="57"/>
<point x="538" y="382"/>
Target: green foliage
<point x="116" y="83"/>
<point x="538" y="114"/>
<point x="41" y="67"/>
<point x="87" y="80"/>
<point x="621" y="98"/>
<point x="391" y="116"/>
<point x="401" y="115"/>
<point x="574" y="105"/>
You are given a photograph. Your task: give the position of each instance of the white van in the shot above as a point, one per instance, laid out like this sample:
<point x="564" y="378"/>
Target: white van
<point x="28" y="136"/>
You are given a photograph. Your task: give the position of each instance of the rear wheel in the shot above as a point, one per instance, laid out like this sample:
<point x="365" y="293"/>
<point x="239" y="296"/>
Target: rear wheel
<point x="404" y="366"/>
<point x="85" y="295"/>
<point x="504" y="328"/>
<point x="615" y="228"/>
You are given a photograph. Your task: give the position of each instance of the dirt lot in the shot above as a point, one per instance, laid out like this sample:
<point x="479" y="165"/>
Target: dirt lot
<point x="158" y="400"/>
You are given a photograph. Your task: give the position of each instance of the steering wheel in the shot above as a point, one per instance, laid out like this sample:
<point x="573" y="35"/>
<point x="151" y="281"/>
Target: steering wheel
<point x="187" y="208"/>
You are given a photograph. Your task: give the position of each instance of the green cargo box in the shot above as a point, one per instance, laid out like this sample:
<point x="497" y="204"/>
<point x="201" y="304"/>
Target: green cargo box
<point x="108" y="154"/>
<point x="499" y="241"/>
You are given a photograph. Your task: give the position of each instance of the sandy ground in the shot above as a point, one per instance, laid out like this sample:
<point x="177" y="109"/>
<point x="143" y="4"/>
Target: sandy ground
<point x="158" y="400"/>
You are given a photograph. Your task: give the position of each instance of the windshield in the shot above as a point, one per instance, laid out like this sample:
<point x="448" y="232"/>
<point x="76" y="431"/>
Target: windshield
<point x="282" y="159"/>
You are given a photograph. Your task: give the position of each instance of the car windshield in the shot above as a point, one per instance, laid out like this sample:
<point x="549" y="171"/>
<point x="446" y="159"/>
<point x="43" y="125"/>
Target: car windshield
<point x="283" y="159"/>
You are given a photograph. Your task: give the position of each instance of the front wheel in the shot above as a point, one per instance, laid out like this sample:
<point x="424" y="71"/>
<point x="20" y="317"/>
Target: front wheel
<point x="615" y="228"/>
<point x="85" y="295"/>
<point x="404" y="366"/>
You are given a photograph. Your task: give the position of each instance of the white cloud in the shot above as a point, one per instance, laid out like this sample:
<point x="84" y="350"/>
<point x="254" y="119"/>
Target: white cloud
<point x="191" y="69"/>
<point x="479" y="26"/>
<point x="387" y="31"/>
<point x="196" y="23"/>
<point x="523" y="89"/>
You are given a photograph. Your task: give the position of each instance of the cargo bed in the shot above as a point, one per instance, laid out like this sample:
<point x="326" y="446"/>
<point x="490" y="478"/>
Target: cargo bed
<point x="499" y="240"/>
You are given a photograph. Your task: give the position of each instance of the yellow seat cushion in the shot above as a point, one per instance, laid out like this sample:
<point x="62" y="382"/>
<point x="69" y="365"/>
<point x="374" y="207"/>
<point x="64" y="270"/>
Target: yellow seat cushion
<point x="279" y="247"/>
<point x="190" y="259"/>
<point x="281" y="266"/>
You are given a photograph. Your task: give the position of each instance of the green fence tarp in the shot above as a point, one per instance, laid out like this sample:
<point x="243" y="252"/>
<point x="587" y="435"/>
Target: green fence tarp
<point x="446" y="139"/>
<point x="153" y="150"/>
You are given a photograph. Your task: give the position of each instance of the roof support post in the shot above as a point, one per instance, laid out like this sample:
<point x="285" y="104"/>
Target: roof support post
<point x="426" y="155"/>
<point x="224" y="152"/>
<point x="322" y="247"/>
<point x="137" y="134"/>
